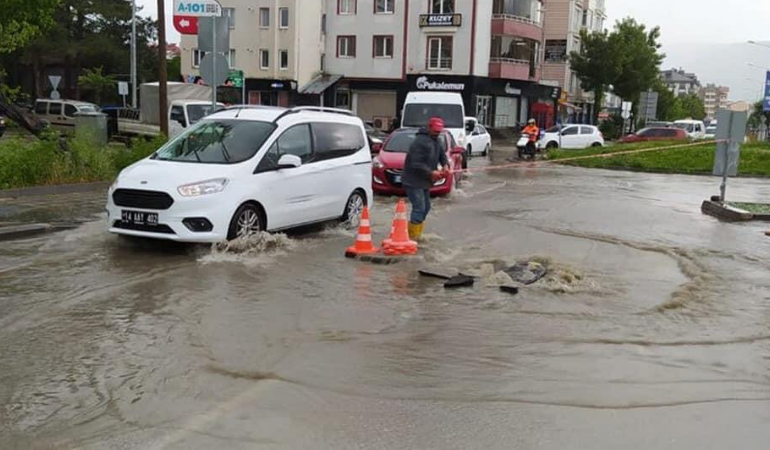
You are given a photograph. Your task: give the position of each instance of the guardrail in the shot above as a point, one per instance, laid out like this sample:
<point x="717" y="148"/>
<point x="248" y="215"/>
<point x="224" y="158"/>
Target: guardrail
<point x="516" y="18"/>
<point x="438" y="63"/>
<point x="523" y="62"/>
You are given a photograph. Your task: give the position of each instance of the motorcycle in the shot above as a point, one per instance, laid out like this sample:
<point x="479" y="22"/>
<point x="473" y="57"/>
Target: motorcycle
<point x="526" y="148"/>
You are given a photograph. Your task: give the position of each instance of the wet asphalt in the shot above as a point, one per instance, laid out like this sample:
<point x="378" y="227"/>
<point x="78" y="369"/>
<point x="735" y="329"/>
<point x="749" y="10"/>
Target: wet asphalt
<point x="651" y="330"/>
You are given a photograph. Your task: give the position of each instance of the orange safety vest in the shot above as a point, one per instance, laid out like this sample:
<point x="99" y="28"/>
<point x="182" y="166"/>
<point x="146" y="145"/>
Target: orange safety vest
<point x="533" y="131"/>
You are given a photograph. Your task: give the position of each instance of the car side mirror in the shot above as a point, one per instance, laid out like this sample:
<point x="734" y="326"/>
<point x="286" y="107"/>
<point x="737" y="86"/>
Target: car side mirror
<point x="289" y="162"/>
<point x="458" y="151"/>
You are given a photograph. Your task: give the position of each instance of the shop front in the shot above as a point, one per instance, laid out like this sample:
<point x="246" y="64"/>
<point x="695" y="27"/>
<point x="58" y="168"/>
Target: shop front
<point x="496" y="103"/>
<point x="270" y="92"/>
<point x="373" y="101"/>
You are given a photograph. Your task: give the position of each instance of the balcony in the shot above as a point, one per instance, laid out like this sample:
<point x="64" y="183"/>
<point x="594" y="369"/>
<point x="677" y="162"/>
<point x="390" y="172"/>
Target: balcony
<point x="512" y="25"/>
<point x="513" y="69"/>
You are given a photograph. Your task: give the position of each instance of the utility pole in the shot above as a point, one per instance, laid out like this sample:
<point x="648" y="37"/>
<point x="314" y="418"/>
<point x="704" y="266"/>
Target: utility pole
<point x="133" y="54"/>
<point x="162" y="78"/>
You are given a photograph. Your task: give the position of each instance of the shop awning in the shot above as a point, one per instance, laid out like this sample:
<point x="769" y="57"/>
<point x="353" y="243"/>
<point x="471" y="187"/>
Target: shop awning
<point x="319" y="84"/>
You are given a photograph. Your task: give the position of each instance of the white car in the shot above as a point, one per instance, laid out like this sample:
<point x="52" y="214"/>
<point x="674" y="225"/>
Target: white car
<point x="572" y="136"/>
<point x="695" y="129"/>
<point x="479" y="141"/>
<point x="245" y="170"/>
<point x="711" y="132"/>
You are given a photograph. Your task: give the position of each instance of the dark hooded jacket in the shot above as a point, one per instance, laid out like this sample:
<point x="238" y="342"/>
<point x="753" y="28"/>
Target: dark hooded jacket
<point x="425" y="154"/>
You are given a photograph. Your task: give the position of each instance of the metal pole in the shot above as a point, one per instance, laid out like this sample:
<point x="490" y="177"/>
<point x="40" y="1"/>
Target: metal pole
<point x="723" y="187"/>
<point x="214" y="62"/>
<point x="133" y="55"/>
<point x="243" y="88"/>
<point x="162" y="75"/>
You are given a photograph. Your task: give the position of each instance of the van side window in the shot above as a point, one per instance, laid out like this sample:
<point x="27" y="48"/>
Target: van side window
<point x="54" y="109"/>
<point x="294" y="141"/>
<point x="41" y="108"/>
<point x="70" y="110"/>
<point x="270" y="160"/>
<point x="337" y="140"/>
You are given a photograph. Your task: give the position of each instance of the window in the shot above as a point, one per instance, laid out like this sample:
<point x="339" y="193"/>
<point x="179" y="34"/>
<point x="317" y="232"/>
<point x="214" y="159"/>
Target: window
<point x="177" y="114"/>
<point x="440" y="53"/>
<point x="283" y="18"/>
<point x="197" y="57"/>
<point x="570" y="131"/>
<point x="585" y="17"/>
<point x="54" y="109"/>
<point x="323" y="24"/>
<point x="334" y="140"/>
<point x="577" y="18"/>
<point x="346" y="7"/>
<point x="342" y="99"/>
<point x="346" y="46"/>
<point x="384" y="6"/>
<point x="296" y="141"/>
<point x="264" y="59"/>
<point x="382" y="46"/>
<point x="283" y="56"/>
<point x="41" y="108"/>
<point x="586" y="130"/>
<point x="231" y="58"/>
<point x="217" y="142"/>
<point x="442" y="6"/>
<point x="418" y="114"/>
<point x="70" y="110"/>
<point x="323" y="62"/>
<point x="230" y="14"/>
<point x="264" y="17"/>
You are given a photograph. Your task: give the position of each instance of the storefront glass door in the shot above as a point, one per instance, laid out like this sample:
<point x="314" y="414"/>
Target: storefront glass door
<point x="483" y="109"/>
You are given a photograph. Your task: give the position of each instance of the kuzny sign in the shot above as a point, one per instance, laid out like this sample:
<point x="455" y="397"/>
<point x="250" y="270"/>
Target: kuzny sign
<point x="197" y="8"/>
<point x="441" y="20"/>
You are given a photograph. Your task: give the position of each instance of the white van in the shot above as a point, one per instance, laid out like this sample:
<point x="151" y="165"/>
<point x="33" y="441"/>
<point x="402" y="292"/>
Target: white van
<point x="244" y="170"/>
<point x="61" y="113"/>
<point x="695" y="129"/>
<point x="419" y="107"/>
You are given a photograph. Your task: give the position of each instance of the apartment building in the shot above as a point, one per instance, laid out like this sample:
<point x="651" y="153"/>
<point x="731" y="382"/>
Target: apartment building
<point x="563" y="21"/>
<point x="714" y="98"/>
<point x="488" y="51"/>
<point x="681" y="82"/>
<point x="278" y="47"/>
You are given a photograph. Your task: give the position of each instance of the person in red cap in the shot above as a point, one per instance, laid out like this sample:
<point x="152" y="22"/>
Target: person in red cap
<point x="421" y="171"/>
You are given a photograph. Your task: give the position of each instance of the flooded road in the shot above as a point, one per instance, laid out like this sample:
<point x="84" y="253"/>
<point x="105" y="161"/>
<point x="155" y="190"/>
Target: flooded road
<point x="652" y="329"/>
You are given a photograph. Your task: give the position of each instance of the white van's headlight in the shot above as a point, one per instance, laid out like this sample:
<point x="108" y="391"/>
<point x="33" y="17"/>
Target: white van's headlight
<point x="202" y="188"/>
<point x="461" y="140"/>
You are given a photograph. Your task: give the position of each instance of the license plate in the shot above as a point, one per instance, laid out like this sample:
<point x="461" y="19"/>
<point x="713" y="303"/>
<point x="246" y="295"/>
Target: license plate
<point x="396" y="178"/>
<point x="139" y="217"/>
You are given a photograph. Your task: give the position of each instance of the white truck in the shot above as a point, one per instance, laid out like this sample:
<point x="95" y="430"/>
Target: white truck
<point x="187" y="105"/>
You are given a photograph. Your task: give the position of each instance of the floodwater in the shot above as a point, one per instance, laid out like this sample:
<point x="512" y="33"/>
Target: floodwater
<point x="652" y="329"/>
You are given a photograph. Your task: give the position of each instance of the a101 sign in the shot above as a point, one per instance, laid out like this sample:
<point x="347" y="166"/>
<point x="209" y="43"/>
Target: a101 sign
<point x="186" y="13"/>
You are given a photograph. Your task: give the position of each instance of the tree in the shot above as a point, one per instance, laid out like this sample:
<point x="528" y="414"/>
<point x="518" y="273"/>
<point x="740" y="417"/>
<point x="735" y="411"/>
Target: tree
<point x="640" y="60"/>
<point x="94" y="81"/>
<point x="24" y="20"/>
<point x="597" y="64"/>
<point x="693" y="107"/>
<point x="758" y="116"/>
<point x="174" y="67"/>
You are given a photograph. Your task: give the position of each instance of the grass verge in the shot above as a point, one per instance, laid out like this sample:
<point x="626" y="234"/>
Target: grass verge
<point x="25" y="163"/>
<point x="754" y="161"/>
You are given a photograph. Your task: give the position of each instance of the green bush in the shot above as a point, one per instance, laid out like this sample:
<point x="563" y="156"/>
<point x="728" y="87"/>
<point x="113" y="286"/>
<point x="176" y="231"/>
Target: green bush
<point x="42" y="162"/>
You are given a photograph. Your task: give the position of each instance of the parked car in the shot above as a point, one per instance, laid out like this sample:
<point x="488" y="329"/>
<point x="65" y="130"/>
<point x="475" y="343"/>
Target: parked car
<point x="388" y="166"/>
<point x="244" y="170"/>
<point x="2" y="126"/>
<point x="376" y="137"/>
<point x="479" y="141"/>
<point x="711" y="132"/>
<point x="61" y="113"/>
<point x="572" y="136"/>
<point x="655" y="134"/>
<point x="695" y="129"/>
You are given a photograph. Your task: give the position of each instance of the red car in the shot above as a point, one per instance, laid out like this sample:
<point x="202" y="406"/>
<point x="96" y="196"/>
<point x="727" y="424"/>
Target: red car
<point x="655" y="134"/>
<point x="388" y="165"/>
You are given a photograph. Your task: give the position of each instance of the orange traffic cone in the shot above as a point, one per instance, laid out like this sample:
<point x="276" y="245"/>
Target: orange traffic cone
<point x="363" y="245"/>
<point x="399" y="243"/>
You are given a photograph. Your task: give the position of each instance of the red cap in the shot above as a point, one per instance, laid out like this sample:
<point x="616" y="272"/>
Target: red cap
<point x="436" y="124"/>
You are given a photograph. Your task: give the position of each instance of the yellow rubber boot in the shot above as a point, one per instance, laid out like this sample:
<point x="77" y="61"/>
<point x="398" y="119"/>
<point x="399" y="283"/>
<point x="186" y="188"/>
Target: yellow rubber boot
<point x="415" y="231"/>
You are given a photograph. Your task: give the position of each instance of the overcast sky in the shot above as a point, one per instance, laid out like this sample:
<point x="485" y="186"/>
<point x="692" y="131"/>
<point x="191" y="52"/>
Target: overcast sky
<point x="682" y="23"/>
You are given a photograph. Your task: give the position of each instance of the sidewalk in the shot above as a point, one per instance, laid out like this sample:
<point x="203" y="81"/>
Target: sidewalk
<point x="26" y="212"/>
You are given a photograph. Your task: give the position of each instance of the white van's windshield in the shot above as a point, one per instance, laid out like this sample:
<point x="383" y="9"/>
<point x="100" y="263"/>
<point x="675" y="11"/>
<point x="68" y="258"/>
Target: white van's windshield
<point x="217" y="142"/>
<point x="417" y="115"/>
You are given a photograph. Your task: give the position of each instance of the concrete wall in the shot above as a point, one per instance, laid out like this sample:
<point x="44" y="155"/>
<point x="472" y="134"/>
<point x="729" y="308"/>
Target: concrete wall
<point x="418" y="39"/>
<point x="483" y="38"/>
<point x="365" y="25"/>
<point x="308" y="39"/>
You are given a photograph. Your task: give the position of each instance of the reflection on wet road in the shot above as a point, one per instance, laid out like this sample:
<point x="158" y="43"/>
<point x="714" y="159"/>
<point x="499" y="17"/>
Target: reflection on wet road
<point x="651" y="331"/>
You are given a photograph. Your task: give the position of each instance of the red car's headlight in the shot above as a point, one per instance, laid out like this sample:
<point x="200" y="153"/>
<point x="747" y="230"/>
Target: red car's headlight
<point x="377" y="163"/>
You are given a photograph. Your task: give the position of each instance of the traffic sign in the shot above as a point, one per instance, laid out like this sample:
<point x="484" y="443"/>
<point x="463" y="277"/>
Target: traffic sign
<point x="214" y="71"/>
<point x="186" y="24"/>
<point x="207" y="26"/>
<point x="236" y="76"/>
<point x="197" y="8"/>
<point x="626" y="110"/>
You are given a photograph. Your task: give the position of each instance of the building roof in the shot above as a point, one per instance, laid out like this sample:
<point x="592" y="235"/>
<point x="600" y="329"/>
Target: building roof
<point x="319" y="84"/>
<point x="679" y="76"/>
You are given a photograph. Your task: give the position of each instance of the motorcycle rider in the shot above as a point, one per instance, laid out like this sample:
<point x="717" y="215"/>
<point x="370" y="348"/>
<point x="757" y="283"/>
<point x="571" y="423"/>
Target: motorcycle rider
<point x="533" y="132"/>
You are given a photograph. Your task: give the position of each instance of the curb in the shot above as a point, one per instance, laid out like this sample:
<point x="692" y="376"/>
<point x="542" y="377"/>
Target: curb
<point x="56" y="189"/>
<point x="724" y="212"/>
<point x="10" y="233"/>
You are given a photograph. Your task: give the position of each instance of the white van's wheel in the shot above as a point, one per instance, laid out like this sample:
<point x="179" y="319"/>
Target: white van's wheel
<point x="354" y="208"/>
<point x="247" y="220"/>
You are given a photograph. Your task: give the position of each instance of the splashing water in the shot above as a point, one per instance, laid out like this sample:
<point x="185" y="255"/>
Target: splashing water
<point x="258" y="248"/>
